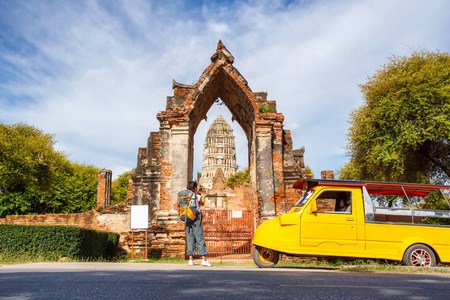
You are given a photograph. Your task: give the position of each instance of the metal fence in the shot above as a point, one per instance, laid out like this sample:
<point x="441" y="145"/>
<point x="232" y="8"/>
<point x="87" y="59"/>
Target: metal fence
<point x="228" y="233"/>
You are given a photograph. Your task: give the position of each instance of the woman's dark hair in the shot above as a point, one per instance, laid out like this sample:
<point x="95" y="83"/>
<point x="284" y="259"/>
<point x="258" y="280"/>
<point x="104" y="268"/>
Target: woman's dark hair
<point x="192" y="185"/>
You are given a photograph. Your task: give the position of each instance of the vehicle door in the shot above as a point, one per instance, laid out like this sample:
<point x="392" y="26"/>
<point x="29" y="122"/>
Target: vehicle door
<point x="333" y="225"/>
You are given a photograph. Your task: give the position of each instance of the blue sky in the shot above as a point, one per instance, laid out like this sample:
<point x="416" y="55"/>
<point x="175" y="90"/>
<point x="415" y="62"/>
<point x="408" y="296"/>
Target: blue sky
<point x="96" y="73"/>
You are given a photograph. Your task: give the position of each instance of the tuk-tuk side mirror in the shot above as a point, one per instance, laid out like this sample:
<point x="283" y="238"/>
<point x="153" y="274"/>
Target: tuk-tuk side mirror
<point x="313" y="206"/>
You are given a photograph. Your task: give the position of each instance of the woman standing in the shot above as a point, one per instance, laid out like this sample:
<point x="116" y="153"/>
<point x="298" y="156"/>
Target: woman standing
<point x="194" y="230"/>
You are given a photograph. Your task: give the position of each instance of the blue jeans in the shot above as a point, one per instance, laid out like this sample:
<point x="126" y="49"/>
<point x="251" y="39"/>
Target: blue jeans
<point x="195" y="236"/>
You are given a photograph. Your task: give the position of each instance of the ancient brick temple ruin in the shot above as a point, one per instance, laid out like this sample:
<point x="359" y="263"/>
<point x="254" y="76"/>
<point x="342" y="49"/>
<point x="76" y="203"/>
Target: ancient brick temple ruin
<point x="166" y="164"/>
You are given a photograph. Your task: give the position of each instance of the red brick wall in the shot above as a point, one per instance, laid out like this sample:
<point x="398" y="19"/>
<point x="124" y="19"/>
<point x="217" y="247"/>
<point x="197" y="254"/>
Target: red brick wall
<point x="327" y="174"/>
<point x="87" y="219"/>
<point x="242" y="200"/>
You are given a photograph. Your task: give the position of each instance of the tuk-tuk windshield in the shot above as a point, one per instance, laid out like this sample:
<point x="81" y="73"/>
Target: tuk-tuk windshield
<point x="304" y="198"/>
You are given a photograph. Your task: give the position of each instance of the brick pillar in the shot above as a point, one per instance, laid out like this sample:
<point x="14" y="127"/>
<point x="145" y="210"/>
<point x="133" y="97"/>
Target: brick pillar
<point x="166" y="167"/>
<point x="104" y="188"/>
<point x="327" y="174"/>
<point x="264" y="170"/>
<point x="299" y="159"/>
<point x="180" y="162"/>
<point x="130" y="189"/>
<point x="278" y="175"/>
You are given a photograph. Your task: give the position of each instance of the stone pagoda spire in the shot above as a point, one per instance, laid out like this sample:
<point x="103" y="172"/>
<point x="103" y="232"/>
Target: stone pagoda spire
<point x="219" y="154"/>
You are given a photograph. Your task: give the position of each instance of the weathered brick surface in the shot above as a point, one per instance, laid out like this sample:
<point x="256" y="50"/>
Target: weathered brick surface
<point x="130" y="189"/>
<point x="87" y="220"/>
<point x="104" y="188"/>
<point x="242" y="199"/>
<point x="327" y="174"/>
<point x="168" y="240"/>
<point x="236" y="197"/>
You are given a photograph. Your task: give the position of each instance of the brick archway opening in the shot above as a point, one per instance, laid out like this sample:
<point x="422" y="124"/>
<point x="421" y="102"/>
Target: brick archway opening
<point x="166" y="164"/>
<point x="222" y="85"/>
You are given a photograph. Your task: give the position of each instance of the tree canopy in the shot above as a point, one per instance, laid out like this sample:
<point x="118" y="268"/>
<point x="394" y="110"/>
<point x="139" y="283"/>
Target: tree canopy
<point x="402" y="130"/>
<point x="241" y="176"/>
<point x="27" y="158"/>
<point x="74" y="191"/>
<point x="35" y="178"/>
<point x="119" y="188"/>
<point x="308" y="172"/>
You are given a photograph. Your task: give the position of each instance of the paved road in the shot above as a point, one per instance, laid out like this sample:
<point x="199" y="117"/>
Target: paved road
<point x="174" y="281"/>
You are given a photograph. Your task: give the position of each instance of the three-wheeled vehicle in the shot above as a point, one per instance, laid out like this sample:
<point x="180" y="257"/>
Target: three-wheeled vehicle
<point x="360" y="219"/>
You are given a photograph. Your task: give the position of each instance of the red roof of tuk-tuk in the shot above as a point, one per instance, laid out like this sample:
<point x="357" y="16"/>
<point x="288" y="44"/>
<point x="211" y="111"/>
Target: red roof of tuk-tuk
<point x="374" y="187"/>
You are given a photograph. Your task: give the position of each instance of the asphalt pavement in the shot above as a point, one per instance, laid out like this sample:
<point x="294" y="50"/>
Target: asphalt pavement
<point x="180" y="281"/>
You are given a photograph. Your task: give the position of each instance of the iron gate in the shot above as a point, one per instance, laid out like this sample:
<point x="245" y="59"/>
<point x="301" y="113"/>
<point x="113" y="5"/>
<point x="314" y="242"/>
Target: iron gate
<point x="228" y="233"/>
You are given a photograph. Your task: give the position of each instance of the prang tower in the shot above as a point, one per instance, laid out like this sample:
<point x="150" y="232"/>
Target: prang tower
<point x="219" y="153"/>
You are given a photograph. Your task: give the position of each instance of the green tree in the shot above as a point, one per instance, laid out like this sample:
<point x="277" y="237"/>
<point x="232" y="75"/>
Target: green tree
<point x="27" y="158"/>
<point x="309" y="172"/>
<point x="28" y="168"/>
<point x="119" y="188"/>
<point x="241" y="176"/>
<point x="34" y="178"/>
<point x="402" y="131"/>
<point x="75" y="190"/>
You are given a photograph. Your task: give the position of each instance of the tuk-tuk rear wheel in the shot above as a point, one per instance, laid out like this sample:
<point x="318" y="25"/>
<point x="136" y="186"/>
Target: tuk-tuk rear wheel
<point x="419" y="255"/>
<point x="265" y="257"/>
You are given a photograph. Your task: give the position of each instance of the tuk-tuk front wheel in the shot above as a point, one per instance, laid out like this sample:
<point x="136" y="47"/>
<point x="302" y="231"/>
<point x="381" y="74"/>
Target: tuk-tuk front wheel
<point x="265" y="257"/>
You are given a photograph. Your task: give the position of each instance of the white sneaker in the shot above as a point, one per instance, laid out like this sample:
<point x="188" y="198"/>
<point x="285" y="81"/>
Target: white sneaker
<point x="206" y="263"/>
<point x="191" y="262"/>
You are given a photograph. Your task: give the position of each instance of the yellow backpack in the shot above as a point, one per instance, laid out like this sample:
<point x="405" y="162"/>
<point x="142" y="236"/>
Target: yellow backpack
<point x="187" y="206"/>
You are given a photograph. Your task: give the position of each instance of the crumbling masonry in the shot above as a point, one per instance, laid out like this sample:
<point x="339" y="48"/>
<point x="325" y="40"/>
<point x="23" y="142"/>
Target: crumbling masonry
<point x="166" y="164"/>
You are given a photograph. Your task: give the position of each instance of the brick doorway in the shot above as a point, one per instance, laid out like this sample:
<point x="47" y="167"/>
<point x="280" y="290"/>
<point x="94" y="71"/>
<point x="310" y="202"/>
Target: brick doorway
<point x="229" y="233"/>
<point x="165" y="165"/>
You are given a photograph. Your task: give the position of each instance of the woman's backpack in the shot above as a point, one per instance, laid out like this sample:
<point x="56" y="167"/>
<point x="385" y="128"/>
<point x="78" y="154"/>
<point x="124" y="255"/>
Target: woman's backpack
<point x="187" y="206"/>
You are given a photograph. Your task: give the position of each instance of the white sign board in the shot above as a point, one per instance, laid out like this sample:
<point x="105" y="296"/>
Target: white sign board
<point x="139" y="216"/>
<point x="236" y="214"/>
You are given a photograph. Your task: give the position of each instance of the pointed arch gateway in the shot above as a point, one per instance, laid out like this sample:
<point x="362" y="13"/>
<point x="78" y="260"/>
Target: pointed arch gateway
<point x="166" y="164"/>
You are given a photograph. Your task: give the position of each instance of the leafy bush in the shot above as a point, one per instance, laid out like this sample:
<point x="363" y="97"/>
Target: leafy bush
<point x="119" y="188"/>
<point x="75" y="190"/>
<point x="37" y="179"/>
<point x="241" y="176"/>
<point x="27" y="158"/>
<point x="266" y="109"/>
<point x="57" y="241"/>
<point x="308" y="171"/>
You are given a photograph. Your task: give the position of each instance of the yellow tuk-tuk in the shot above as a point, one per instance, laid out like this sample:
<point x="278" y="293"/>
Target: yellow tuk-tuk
<point x="361" y="219"/>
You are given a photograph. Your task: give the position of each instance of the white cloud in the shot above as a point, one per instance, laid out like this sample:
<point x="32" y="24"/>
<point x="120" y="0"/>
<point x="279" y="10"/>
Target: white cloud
<point x="96" y="73"/>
